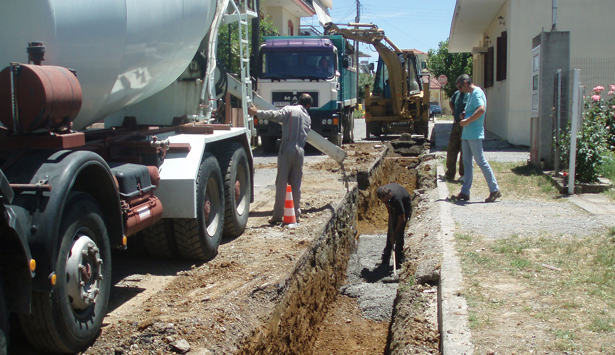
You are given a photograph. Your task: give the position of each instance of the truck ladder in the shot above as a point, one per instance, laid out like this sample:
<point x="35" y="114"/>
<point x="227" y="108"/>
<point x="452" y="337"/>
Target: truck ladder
<point x="241" y="13"/>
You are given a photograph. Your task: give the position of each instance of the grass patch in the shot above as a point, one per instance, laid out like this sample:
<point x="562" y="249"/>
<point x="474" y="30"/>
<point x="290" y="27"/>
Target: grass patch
<point x="508" y="275"/>
<point x="602" y="324"/>
<point x="516" y="180"/>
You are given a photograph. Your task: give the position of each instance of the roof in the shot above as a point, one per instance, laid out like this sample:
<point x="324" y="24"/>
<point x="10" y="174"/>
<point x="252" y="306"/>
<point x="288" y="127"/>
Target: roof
<point x="416" y="51"/>
<point x="433" y="84"/>
<point x="471" y="20"/>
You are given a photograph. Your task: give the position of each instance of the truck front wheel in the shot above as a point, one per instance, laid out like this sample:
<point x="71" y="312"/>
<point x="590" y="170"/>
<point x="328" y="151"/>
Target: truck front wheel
<point x="198" y="238"/>
<point x="70" y="318"/>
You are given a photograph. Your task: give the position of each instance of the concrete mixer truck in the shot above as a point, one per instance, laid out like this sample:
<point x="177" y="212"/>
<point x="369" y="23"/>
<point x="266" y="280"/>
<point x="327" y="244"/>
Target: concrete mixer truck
<point x="161" y="165"/>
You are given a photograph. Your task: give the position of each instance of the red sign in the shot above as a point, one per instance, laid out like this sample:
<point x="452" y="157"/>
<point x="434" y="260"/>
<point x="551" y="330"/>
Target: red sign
<point x="442" y="80"/>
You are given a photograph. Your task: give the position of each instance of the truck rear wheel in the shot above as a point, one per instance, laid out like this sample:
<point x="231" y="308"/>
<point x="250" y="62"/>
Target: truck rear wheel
<point x="4" y="322"/>
<point x="348" y="127"/>
<point x="237" y="189"/>
<point x="336" y="138"/>
<point x="69" y="319"/>
<point x="198" y="238"/>
<point x="159" y="240"/>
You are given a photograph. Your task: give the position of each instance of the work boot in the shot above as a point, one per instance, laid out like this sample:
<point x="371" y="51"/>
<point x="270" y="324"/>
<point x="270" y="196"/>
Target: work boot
<point x="493" y="196"/>
<point x="461" y="196"/>
<point x="275" y="220"/>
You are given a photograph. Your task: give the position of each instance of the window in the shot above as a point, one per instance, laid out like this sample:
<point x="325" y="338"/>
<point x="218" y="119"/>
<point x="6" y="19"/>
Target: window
<point x="501" y="60"/>
<point x="489" y="68"/>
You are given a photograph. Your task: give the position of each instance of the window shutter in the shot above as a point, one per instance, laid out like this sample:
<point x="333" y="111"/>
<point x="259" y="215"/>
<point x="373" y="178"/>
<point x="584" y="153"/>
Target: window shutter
<point x="502" y="44"/>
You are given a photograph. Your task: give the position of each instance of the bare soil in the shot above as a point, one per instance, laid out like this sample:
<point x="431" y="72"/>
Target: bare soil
<point x="346" y="331"/>
<point x="217" y="306"/>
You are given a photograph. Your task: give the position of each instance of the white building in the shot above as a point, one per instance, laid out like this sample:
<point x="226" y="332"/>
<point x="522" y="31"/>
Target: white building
<point x="499" y="33"/>
<point x="286" y="14"/>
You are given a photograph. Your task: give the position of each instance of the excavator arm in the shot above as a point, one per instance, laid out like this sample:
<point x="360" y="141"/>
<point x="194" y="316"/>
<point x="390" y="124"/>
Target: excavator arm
<point x="388" y="51"/>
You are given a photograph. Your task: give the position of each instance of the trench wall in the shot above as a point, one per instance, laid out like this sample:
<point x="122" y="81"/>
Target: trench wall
<point x="310" y="287"/>
<point x="313" y="284"/>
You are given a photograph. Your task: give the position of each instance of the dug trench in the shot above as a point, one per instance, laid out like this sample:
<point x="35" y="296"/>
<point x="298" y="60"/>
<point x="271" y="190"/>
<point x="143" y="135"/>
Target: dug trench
<point x="337" y="300"/>
<point x="277" y="290"/>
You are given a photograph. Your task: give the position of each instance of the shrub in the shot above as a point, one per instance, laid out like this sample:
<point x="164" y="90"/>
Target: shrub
<point x="595" y="139"/>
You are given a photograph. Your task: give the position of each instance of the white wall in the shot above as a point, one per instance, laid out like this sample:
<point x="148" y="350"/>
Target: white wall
<point x="591" y="26"/>
<point x="280" y="17"/>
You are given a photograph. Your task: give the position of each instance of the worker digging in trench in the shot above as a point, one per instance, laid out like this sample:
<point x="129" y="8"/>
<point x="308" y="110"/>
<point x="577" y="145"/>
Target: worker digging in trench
<point x="397" y="200"/>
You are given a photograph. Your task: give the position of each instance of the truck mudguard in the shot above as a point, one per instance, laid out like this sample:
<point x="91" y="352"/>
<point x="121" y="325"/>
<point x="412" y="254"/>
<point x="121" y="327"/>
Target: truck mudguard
<point x="64" y="171"/>
<point x="15" y="260"/>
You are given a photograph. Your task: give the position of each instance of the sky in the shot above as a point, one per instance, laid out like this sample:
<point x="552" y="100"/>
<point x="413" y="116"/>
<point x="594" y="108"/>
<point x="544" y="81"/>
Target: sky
<point x="418" y="24"/>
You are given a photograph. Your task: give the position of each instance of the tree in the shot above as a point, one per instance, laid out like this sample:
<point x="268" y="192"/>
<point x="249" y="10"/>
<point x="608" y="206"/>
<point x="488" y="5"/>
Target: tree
<point x="452" y="65"/>
<point x="228" y="42"/>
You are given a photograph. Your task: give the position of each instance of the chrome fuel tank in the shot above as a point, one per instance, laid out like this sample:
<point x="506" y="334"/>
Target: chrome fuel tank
<point x="122" y="50"/>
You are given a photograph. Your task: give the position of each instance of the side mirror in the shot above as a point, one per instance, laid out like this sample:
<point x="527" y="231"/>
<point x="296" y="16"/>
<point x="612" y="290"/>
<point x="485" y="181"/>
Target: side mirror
<point x="371" y="66"/>
<point x="423" y="65"/>
<point x="345" y="63"/>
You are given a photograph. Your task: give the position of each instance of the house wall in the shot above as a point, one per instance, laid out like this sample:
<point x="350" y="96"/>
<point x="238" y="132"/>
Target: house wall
<point x="591" y="28"/>
<point x="280" y="17"/>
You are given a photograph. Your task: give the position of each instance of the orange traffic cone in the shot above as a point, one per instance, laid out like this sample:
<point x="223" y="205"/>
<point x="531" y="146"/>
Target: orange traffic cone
<point x="289" y="207"/>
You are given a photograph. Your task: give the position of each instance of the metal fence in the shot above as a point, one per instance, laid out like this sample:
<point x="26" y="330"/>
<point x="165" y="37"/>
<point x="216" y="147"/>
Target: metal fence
<point x="567" y="115"/>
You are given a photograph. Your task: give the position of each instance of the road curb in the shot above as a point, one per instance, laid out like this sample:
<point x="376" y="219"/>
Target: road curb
<point x="455" y="334"/>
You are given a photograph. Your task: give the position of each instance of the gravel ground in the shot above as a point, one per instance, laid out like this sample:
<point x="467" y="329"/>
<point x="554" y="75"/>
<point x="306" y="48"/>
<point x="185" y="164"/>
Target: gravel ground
<point x="373" y="287"/>
<point x="525" y="218"/>
<point x="516" y="217"/>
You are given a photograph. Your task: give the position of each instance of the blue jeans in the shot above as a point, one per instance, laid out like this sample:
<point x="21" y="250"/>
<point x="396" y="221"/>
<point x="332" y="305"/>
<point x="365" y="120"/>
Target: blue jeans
<point x="474" y="148"/>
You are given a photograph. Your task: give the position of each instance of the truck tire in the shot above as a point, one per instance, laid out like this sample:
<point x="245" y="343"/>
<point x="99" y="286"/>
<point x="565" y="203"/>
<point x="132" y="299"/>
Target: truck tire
<point x="237" y="188"/>
<point x="159" y="240"/>
<point x="4" y="323"/>
<point x="198" y="238"/>
<point x="269" y="144"/>
<point x="69" y="319"/>
<point x="336" y="138"/>
<point x="348" y="127"/>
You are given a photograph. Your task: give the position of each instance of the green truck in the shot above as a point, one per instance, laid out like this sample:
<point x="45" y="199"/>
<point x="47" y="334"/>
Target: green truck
<point x="324" y="67"/>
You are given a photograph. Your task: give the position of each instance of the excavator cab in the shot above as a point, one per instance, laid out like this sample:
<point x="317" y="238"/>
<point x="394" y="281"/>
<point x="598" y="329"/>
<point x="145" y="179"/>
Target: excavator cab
<point x="382" y="116"/>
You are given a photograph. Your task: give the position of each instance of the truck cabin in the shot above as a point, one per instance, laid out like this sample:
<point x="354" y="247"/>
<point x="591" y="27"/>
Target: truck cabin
<point x="314" y="59"/>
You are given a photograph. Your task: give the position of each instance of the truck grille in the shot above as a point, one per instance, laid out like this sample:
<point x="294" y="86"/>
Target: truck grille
<point x="284" y="98"/>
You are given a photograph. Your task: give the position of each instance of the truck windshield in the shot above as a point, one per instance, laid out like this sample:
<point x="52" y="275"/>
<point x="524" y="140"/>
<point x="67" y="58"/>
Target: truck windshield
<point x="297" y="64"/>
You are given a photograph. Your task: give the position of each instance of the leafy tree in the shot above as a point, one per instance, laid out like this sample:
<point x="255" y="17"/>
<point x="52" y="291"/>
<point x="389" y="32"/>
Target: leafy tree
<point x="228" y="42"/>
<point x="452" y="65"/>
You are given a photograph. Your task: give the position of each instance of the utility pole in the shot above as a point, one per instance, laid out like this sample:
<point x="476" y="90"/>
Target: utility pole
<point x="356" y="50"/>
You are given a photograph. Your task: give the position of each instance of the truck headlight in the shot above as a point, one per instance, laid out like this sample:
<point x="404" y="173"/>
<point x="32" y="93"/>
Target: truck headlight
<point x="265" y="121"/>
<point x="324" y="121"/>
<point x="330" y="121"/>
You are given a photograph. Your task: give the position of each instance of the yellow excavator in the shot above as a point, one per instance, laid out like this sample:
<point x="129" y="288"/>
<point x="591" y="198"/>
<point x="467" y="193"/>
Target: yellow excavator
<point x="399" y="101"/>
